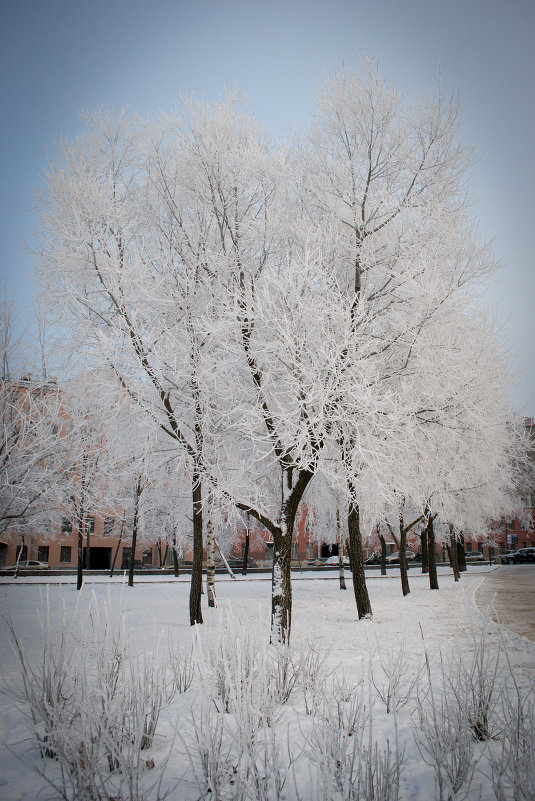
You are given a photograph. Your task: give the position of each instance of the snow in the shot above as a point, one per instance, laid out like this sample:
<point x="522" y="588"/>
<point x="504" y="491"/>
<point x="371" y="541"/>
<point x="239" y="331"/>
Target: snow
<point x="444" y="624"/>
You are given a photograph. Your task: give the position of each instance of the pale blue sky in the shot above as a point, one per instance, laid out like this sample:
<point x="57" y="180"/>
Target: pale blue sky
<point x="59" y="56"/>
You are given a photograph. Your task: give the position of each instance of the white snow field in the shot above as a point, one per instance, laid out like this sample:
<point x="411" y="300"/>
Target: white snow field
<point x="426" y="700"/>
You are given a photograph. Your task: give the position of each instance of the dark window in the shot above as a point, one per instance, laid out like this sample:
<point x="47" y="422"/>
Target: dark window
<point x="42" y="553"/>
<point x="109" y="523"/>
<point x="126" y="557"/>
<point x="90" y="525"/>
<point x="66" y="525"/>
<point x="468" y="547"/>
<point x="65" y="553"/>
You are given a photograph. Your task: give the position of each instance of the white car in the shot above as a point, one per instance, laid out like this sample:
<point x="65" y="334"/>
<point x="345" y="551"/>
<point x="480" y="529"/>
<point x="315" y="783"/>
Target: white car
<point x="28" y="564"/>
<point x="333" y="560"/>
<point x="393" y="558"/>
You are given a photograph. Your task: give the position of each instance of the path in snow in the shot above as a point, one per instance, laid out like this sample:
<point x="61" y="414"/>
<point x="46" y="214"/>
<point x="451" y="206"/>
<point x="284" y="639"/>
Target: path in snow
<point x="513" y="589"/>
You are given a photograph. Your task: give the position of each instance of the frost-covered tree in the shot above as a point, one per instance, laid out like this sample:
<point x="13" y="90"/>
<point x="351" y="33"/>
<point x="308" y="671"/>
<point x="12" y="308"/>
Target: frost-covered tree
<point x="86" y="478"/>
<point x="30" y="414"/>
<point x="277" y="312"/>
<point x="109" y="261"/>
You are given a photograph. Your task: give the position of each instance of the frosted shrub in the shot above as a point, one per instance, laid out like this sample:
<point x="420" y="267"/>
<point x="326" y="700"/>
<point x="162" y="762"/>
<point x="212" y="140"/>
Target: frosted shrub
<point x="393" y="681"/>
<point x="94" y="708"/>
<point x="458" y="706"/>
<point x="482" y="676"/>
<point x="443" y="733"/>
<point x="244" y="673"/>
<point x="513" y="766"/>
<point x="313" y="675"/>
<point x="210" y="759"/>
<point x="181" y="669"/>
<point x="348" y="762"/>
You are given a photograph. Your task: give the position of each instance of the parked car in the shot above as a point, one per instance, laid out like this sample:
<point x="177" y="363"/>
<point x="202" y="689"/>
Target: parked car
<point x="373" y="560"/>
<point x="474" y="556"/>
<point x="29" y="564"/>
<point x="333" y="560"/>
<point x="507" y="557"/>
<point x="393" y="558"/>
<point x="524" y="555"/>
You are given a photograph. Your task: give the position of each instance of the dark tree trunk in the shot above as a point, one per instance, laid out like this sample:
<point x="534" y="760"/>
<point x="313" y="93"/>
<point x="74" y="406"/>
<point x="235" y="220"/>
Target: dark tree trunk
<point x="425" y="551"/>
<point x="137" y="493"/>
<point x="175" y="557"/>
<point x="433" y="578"/>
<point x="340" y="541"/>
<point x="452" y="551"/>
<point x="116" y="552"/>
<point x="246" y="550"/>
<point x="195" y="614"/>
<point x="80" y="559"/>
<point x="356" y="560"/>
<point x="383" y="554"/>
<point x="87" y="550"/>
<point x="281" y="576"/>
<point x="461" y="557"/>
<point x="402" y="547"/>
<point x="281" y="584"/>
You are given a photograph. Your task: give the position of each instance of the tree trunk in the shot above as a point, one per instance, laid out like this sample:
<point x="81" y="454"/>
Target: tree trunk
<point x="433" y="578"/>
<point x="281" y="585"/>
<point x="453" y="554"/>
<point x="87" y="549"/>
<point x="246" y="549"/>
<point x="175" y="557"/>
<point x="356" y="561"/>
<point x="137" y="493"/>
<point x="383" y="553"/>
<point x="210" y="558"/>
<point x="117" y="548"/>
<point x="195" y="614"/>
<point x="281" y="576"/>
<point x="425" y="551"/>
<point x="80" y="559"/>
<point x="461" y="556"/>
<point x="340" y="541"/>
<point x="19" y="557"/>
<point x="402" y="547"/>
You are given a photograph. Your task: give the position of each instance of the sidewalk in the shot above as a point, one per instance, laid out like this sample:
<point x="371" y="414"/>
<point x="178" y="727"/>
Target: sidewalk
<point x="513" y="589"/>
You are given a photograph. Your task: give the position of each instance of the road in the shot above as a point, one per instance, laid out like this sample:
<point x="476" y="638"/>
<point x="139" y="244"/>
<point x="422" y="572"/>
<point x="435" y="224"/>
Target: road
<point x="513" y="588"/>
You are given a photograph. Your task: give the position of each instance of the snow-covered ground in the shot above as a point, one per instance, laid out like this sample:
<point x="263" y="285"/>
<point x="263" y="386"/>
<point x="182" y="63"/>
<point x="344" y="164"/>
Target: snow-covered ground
<point x="228" y="736"/>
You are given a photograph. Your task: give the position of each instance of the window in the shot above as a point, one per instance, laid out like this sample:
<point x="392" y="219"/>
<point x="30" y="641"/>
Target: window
<point x="468" y="547"/>
<point x="126" y="557"/>
<point x="65" y="553"/>
<point x="90" y="525"/>
<point x="42" y="553"/>
<point x="66" y="525"/>
<point x="109" y="523"/>
<point x="295" y="552"/>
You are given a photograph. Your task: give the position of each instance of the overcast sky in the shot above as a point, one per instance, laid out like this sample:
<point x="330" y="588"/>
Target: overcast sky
<point x="60" y="56"/>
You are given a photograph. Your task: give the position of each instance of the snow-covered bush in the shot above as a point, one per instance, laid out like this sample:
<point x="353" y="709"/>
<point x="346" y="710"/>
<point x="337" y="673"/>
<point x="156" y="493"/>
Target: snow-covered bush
<point x="93" y="707"/>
